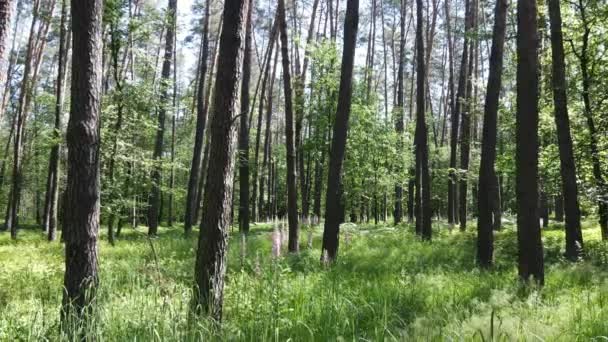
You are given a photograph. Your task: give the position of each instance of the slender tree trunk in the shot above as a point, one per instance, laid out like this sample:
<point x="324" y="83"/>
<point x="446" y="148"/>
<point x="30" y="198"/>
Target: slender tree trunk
<point x="602" y="187"/>
<point x="487" y="175"/>
<point x="52" y="187"/>
<point x="530" y="256"/>
<point x="244" y="130"/>
<point x="36" y="44"/>
<point x="422" y="150"/>
<point x="399" y="124"/>
<point x="465" y="125"/>
<point x="5" y="22"/>
<point x="192" y="196"/>
<point x="267" y="143"/>
<point x="455" y="120"/>
<point x="340" y="131"/>
<point x="292" y="195"/>
<point x="155" y="192"/>
<point x="574" y="236"/>
<point x="255" y="213"/>
<point x="210" y="269"/>
<point x="81" y="218"/>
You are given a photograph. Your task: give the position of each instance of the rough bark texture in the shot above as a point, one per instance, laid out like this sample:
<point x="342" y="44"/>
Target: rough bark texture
<point x="423" y="219"/>
<point x="155" y="195"/>
<point x="201" y="121"/>
<point x="244" y="131"/>
<point x="340" y="131"/>
<point x="292" y="192"/>
<point x="574" y="236"/>
<point x="530" y="258"/>
<point x="487" y="176"/>
<point x="210" y="269"/>
<point x="81" y="217"/>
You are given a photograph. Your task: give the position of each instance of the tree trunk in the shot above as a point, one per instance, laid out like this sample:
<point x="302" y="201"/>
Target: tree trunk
<point x="201" y="118"/>
<point x="602" y="187"/>
<point x="574" y="235"/>
<point x="210" y="269"/>
<point x="81" y="217"/>
<point x="265" y="209"/>
<point x="340" y="131"/>
<point x="244" y="131"/>
<point x="421" y="140"/>
<point x="36" y="44"/>
<point x="487" y="175"/>
<point x="292" y="195"/>
<point x="455" y="120"/>
<point x="399" y="122"/>
<point x="155" y="193"/>
<point x="465" y="124"/>
<point x="5" y="21"/>
<point x="530" y="246"/>
<point x="52" y="187"/>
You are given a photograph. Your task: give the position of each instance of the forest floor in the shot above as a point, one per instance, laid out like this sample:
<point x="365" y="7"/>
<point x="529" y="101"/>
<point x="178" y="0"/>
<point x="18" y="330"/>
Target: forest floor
<point x="386" y="285"/>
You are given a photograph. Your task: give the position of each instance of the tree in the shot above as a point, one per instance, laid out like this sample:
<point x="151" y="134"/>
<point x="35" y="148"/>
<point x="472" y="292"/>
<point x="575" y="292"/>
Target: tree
<point x="423" y="178"/>
<point x="201" y="120"/>
<point x="155" y="193"/>
<point x="244" y="131"/>
<point x="5" y="21"/>
<point x="292" y="190"/>
<point x="331" y="230"/>
<point x="574" y="236"/>
<point x="487" y="174"/>
<point x="455" y="119"/>
<point x="210" y="268"/>
<point x="399" y="124"/>
<point x="81" y="217"/>
<point x="52" y="187"/>
<point x="530" y="246"/>
<point x="586" y="74"/>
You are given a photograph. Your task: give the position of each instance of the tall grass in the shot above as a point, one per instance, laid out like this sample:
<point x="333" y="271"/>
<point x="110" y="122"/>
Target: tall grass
<point x="386" y="285"/>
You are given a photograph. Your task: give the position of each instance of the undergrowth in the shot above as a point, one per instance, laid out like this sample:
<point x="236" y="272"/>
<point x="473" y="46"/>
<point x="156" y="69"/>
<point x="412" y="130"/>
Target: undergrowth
<point x="386" y="285"/>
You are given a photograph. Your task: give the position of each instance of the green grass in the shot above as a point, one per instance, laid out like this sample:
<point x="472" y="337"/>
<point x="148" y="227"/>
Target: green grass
<point x="386" y="285"/>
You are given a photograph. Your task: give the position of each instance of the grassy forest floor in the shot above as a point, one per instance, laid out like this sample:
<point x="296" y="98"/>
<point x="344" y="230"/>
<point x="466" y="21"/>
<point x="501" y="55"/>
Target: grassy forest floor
<point x="386" y="285"/>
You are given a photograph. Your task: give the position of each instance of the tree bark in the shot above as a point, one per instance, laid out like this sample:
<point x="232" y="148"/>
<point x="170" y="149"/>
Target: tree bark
<point x="487" y="174"/>
<point x="423" y="217"/>
<point x="244" y="130"/>
<point x="399" y="124"/>
<point x="52" y="187"/>
<point x="574" y="235"/>
<point x="340" y="132"/>
<point x="530" y="258"/>
<point x="155" y="193"/>
<point x="81" y="217"/>
<point x="5" y="21"/>
<point x="292" y="195"/>
<point x="210" y="269"/>
<point x="201" y="121"/>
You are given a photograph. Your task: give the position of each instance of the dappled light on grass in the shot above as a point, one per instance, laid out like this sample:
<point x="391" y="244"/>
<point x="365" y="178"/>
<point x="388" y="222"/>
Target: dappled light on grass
<point x="385" y="285"/>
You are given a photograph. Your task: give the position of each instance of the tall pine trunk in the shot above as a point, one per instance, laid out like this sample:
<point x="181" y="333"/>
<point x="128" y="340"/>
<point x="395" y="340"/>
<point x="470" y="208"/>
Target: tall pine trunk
<point x="530" y="258"/>
<point x="487" y="174"/>
<point x="424" y="212"/>
<point x="155" y="192"/>
<point x="292" y="192"/>
<point x="574" y="236"/>
<point x="81" y="217"/>
<point x="331" y="230"/>
<point x="52" y="187"/>
<point x="244" y="130"/>
<point x="201" y="120"/>
<point x="211" y="263"/>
